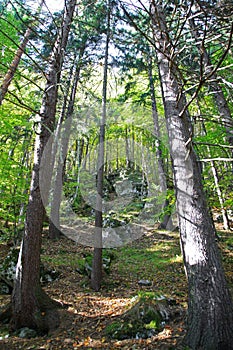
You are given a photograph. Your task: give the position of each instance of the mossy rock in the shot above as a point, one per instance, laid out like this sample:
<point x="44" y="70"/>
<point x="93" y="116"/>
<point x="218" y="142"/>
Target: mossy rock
<point x="8" y="269"/>
<point x="143" y="320"/>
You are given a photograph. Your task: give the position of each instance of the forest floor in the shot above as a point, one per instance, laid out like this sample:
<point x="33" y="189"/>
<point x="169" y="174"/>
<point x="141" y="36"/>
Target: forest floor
<point x="155" y="257"/>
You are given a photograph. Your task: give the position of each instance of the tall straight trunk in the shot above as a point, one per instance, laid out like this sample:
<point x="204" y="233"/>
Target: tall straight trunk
<point x="167" y="222"/>
<point x="127" y="147"/>
<point x="226" y="223"/>
<point x="96" y="275"/>
<point x="30" y="305"/>
<point x="54" y="226"/>
<point x="210" y="308"/>
<point x="15" y="63"/>
<point x="132" y="146"/>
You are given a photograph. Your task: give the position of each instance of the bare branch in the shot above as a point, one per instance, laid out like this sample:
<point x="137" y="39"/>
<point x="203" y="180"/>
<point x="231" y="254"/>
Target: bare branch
<point x="20" y="103"/>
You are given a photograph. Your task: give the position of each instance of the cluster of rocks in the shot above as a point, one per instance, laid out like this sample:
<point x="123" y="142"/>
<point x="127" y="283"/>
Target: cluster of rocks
<point x="146" y="318"/>
<point x="8" y="269"/>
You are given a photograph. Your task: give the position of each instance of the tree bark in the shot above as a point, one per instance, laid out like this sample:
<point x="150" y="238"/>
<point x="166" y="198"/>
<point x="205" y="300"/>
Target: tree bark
<point x="30" y="305"/>
<point x="96" y="275"/>
<point x="210" y="309"/>
<point x="167" y="221"/>
<point x="54" y="226"/>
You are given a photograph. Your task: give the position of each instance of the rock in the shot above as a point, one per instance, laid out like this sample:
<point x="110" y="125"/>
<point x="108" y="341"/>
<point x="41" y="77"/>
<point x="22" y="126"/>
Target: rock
<point x="123" y="187"/>
<point x="219" y="219"/>
<point x="8" y="267"/>
<point x="4" y="288"/>
<point x="111" y="238"/>
<point x="27" y="333"/>
<point x="145" y="283"/>
<point x="146" y="318"/>
<point x="47" y="275"/>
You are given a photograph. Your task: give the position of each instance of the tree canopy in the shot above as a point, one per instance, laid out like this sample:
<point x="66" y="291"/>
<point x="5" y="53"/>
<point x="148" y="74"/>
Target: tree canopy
<point x="124" y="109"/>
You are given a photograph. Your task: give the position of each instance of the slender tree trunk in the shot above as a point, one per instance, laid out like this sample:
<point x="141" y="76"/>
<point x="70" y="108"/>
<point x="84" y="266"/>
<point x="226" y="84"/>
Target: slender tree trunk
<point x="226" y="223"/>
<point x="54" y="227"/>
<point x="167" y="222"/>
<point x="127" y="147"/>
<point x="210" y="309"/>
<point x="54" y="232"/>
<point x="96" y="275"/>
<point x="15" y="63"/>
<point x="214" y="170"/>
<point x="30" y="305"/>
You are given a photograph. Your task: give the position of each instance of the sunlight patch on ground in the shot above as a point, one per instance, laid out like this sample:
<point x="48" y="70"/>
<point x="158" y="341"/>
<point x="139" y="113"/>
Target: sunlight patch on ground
<point x="177" y="259"/>
<point x="96" y="306"/>
<point x="160" y="247"/>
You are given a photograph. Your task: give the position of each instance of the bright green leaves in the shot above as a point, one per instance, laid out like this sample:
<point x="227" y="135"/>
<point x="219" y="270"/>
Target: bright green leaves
<point x="15" y="161"/>
<point x="8" y="38"/>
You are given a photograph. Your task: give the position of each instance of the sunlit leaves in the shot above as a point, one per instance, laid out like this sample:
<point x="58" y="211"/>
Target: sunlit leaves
<point x="8" y="39"/>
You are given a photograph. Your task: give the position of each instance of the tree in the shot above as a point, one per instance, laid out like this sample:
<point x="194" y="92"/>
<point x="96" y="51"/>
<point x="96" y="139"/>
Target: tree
<point x="96" y="275"/>
<point x="83" y="42"/>
<point x="217" y="187"/>
<point x="54" y="224"/>
<point x="210" y="308"/>
<point x="167" y="221"/>
<point x="30" y="305"/>
<point x="137" y="61"/>
<point x="219" y="98"/>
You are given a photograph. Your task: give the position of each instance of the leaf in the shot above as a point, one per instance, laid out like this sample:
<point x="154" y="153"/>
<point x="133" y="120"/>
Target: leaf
<point x="87" y="341"/>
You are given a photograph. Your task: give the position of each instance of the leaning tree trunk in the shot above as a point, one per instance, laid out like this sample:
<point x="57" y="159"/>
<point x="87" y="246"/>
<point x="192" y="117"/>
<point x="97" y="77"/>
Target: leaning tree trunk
<point x="30" y="305"/>
<point x="15" y="63"/>
<point x="210" y="309"/>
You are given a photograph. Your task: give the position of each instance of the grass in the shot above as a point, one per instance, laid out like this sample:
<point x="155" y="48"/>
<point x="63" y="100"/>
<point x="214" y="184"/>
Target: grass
<point x="59" y="261"/>
<point x="155" y="256"/>
<point x="146" y="258"/>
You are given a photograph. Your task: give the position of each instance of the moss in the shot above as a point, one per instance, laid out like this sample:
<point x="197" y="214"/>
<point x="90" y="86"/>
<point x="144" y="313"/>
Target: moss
<point x="143" y="320"/>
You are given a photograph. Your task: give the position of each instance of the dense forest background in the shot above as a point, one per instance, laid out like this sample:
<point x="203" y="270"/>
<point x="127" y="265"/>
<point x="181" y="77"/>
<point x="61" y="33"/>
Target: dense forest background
<point x="108" y="109"/>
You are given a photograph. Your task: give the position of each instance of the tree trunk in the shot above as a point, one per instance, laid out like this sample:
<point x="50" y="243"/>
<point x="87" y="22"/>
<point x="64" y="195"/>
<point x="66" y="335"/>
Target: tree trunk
<point x="210" y="309"/>
<point x="54" y="225"/>
<point x="15" y="63"/>
<point x="96" y="275"/>
<point x="167" y="221"/>
<point x="226" y="223"/>
<point x="30" y="305"/>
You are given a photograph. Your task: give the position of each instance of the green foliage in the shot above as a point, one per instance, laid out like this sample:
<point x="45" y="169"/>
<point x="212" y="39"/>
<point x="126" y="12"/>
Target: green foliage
<point x="210" y="139"/>
<point x="9" y="39"/>
<point x="128" y="111"/>
<point x="14" y="162"/>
